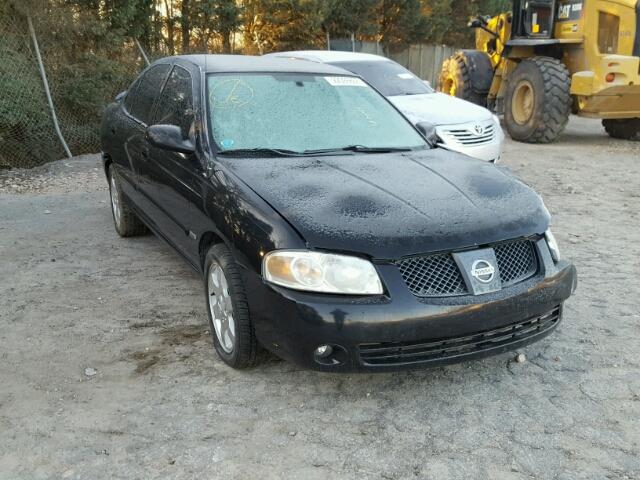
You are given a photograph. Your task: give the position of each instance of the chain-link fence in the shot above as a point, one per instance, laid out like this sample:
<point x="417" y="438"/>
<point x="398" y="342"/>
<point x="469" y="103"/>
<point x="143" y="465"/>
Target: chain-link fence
<point x="81" y="82"/>
<point x="27" y="135"/>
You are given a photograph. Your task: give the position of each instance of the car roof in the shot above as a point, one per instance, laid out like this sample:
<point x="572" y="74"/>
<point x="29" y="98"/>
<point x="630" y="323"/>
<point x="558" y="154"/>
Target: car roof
<point x="328" y="56"/>
<point x="250" y="63"/>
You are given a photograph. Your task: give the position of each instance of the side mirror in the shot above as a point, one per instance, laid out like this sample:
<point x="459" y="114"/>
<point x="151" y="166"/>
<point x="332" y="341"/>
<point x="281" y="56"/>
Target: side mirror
<point x="428" y="131"/>
<point x="121" y="95"/>
<point x="169" y="137"/>
<point x="427" y="83"/>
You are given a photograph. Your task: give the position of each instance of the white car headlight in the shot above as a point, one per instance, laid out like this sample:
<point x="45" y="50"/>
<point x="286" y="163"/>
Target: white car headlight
<point x="321" y="272"/>
<point x="553" y="245"/>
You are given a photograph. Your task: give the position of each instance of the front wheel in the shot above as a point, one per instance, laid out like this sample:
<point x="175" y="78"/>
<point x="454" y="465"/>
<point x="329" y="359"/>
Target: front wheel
<point x="538" y="100"/>
<point x="625" y="129"/>
<point x="233" y="335"/>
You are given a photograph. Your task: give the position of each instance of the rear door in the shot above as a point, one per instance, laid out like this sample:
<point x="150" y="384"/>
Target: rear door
<point x="116" y="129"/>
<point x="167" y="177"/>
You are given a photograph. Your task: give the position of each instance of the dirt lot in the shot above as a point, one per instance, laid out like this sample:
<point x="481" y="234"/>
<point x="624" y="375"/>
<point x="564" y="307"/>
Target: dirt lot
<point x="107" y="369"/>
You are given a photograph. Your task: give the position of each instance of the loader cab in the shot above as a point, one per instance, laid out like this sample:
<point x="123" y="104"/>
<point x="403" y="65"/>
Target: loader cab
<point x="533" y="19"/>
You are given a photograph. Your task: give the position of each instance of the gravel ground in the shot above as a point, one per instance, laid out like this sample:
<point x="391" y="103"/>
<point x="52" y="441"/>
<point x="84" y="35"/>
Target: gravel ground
<point x="107" y="369"/>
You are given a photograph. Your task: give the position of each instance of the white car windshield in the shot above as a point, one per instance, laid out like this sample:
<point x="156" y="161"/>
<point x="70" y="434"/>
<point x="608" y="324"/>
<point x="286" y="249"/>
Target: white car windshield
<point x="302" y="113"/>
<point x="387" y="77"/>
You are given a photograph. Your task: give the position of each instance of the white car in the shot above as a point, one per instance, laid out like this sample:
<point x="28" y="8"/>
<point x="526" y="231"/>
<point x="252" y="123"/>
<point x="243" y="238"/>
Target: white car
<point x="462" y="126"/>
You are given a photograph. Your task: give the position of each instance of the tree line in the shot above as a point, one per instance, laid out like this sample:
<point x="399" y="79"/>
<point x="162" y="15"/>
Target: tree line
<point x="166" y="27"/>
<point x="92" y="49"/>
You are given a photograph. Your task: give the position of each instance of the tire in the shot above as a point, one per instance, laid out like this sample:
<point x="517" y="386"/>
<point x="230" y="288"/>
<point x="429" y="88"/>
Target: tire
<point x="125" y="220"/>
<point x="467" y="75"/>
<point x="625" y="129"/>
<point x="538" y="100"/>
<point x="238" y="347"/>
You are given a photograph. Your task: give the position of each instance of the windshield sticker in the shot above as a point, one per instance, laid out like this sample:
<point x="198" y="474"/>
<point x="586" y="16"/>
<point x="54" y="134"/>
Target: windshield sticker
<point x="405" y="76"/>
<point x="345" y="81"/>
<point x="227" y="143"/>
<point x="231" y="93"/>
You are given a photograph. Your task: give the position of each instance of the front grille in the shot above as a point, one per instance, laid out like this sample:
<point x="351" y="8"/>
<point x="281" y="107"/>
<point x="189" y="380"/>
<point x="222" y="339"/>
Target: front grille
<point x="467" y="135"/>
<point x="432" y="276"/>
<point x="438" y="275"/>
<point x="516" y="261"/>
<point x="429" y="350"/>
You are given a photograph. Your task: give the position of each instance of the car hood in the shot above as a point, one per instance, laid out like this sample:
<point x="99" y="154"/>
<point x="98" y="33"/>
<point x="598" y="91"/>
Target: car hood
<point x="439" y="109"/>
<point x="387" y="206"/>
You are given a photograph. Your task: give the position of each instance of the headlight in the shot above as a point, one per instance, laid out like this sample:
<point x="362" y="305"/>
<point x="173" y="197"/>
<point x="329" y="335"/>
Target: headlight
<point x="553" y="245"/>
<point x="321" y="272"/>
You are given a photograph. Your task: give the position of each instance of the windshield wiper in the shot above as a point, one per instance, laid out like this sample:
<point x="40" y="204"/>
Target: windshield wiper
<point x="359" y="149"/>
<point x="280" y="152"/>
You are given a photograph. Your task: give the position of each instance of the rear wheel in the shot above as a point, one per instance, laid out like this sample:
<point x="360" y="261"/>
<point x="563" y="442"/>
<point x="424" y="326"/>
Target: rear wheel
<point x="467" y="75"/>
<point x="125" y="220"/>
<point x="625" y="129"/>
<point x="538" y="100"/>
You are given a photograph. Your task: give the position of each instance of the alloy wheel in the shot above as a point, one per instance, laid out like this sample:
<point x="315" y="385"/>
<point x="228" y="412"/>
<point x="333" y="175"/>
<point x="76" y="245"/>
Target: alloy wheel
<point x="221" y="308"/>
<point x="115" y="200"/>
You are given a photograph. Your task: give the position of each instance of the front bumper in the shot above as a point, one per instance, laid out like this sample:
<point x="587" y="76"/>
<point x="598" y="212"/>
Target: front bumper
<point x="400" y="331"/>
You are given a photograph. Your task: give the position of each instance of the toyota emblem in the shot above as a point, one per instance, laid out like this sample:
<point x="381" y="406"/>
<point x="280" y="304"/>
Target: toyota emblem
<point x="479" y="129"/>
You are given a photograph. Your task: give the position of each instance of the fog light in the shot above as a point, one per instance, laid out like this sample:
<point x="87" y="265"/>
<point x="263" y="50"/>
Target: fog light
<point x="330" y="355"/>
<point x="324" y="351"/>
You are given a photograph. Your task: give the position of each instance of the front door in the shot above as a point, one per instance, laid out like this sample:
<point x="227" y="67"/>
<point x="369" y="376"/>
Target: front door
<point x="166" y="177"/>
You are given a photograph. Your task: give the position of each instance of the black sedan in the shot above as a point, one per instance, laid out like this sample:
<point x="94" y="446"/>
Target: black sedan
<point x="327" y="229"/>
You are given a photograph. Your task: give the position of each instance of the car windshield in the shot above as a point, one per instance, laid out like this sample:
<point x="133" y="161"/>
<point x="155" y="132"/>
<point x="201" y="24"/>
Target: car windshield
<point x="388" y="78"/>
<point x="301" y="113"/>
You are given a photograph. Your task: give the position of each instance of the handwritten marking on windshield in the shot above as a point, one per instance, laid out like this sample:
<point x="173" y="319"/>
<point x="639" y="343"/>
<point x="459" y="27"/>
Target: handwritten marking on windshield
<point x="370" y="120"/>
<point x="231" y="93"/>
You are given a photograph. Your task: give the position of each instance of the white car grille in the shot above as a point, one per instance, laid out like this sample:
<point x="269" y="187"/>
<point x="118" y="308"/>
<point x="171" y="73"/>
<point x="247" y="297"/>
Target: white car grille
<point x="469" y="135"/>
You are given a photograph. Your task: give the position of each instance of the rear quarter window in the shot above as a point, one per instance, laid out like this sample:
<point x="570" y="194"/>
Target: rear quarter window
<point x="131" y="95"/>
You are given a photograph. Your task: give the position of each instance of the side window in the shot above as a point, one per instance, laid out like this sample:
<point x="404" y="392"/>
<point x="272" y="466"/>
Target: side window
<point x="131" y="95"/>
<point x="608" y="33"/>
<point x="147" y="91"/>
<point x="175" y="106"/>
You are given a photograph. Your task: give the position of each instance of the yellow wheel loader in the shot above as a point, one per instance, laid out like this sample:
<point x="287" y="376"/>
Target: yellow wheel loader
<point x="548" y="58"/>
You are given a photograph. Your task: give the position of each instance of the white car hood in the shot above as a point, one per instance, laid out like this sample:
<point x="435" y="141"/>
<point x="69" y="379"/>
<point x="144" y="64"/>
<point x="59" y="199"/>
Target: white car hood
<point x="439" y="109"/>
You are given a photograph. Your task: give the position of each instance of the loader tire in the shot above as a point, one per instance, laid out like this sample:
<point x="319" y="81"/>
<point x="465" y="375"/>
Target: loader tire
<point x="625" y="129"/>
<point x="456" y="76"/>
<point x="538" y="100"/>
